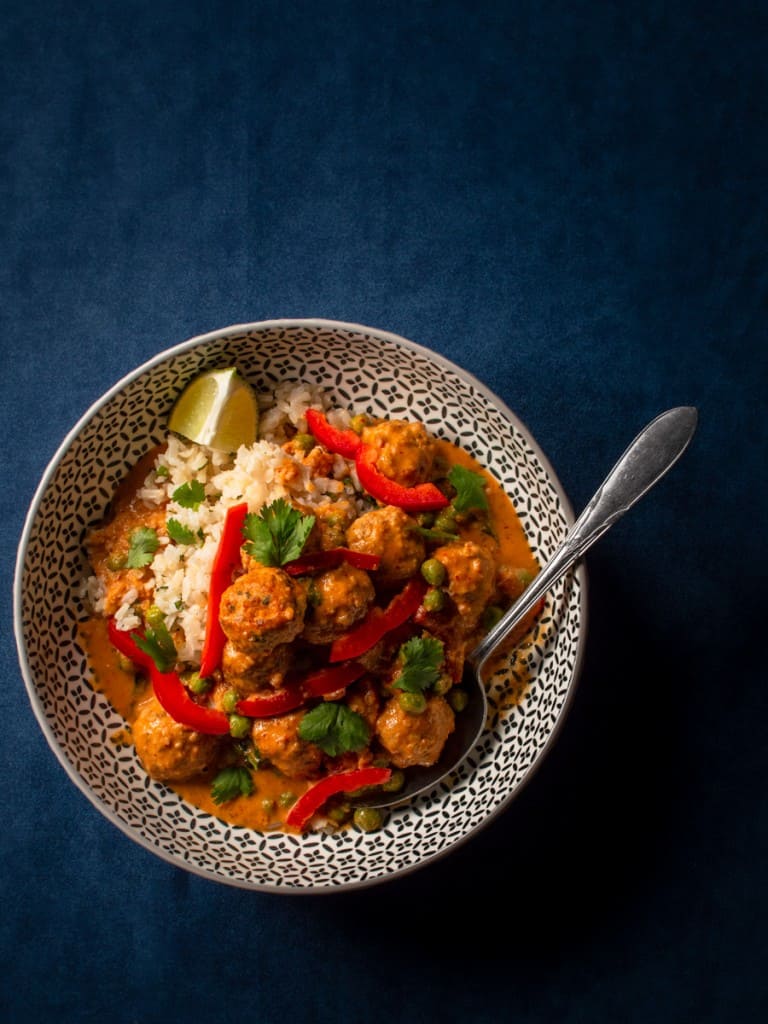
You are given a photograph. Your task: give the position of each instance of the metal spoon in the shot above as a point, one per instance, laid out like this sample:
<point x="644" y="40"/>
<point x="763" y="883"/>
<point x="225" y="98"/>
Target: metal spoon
<point x="653" y="452"/>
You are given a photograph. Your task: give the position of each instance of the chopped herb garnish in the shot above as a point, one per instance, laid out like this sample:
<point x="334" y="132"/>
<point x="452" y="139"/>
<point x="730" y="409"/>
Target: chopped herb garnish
<point x="142" y="545"/>
<point x="179" y="533"/>
<point x="335" y="728"/>
<point x="231" y="782"/>
<point x="470" y="489"/>
<point x="420" y="660"/>
<point x="162" y="471"/>
<point x="277" y="534"/>
<point x="157" y="641"/>
<point x="190" y="495"/>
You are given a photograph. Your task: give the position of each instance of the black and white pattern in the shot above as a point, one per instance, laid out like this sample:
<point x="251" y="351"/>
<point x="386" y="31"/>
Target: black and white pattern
<point x="364" y="369"/>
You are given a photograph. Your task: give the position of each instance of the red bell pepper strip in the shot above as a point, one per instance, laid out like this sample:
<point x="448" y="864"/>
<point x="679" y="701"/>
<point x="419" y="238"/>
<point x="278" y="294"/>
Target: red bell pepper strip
<point x="320" y="560"/>
<point x="333" y="678"/>
<point x="342" y="782"/>
<point x="268" y="704"/>
<point x="377" y="622"/>
<point x="297" y="692"/>
<point x="174" y="697"/>
<point x="421" y="498"/>
<point x="341" y="442"/>
<point x="226" y="559"/>
<point x="170" y="691"/>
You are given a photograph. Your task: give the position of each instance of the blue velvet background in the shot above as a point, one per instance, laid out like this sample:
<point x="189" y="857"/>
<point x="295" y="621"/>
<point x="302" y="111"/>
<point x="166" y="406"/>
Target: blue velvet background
<point x="567" y="199"/>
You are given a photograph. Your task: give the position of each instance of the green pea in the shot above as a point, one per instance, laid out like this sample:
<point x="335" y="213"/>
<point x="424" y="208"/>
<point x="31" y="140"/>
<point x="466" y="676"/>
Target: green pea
<point x="268" y="805"/>
<point x="445" y="521"/>
<point x="395" y="782"/>
<point x="114" y="564"/>
<point x="239" y="726"/>
<point x="491" y="616"/>
<point x="443" y="685"/>
<point x="197" y="684"/>
<point x="287" y="798"/>
<point x="458" y="699"/>
<point x="358" y="423"/>
<point x="304" y="442"/>
<point x="340" y="813"/>
<point x="229" y="701"/>
<point x="525" y="576"/>
<point x="368" y="819"/>
<point x="126" y="664"/>
<point x="413" y="703"/>
<point x="434" y="599"/>
<point x="433" y="572"/>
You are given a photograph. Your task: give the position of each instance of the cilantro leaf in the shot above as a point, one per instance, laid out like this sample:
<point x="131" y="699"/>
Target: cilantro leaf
<point x="420" y="661"/>
<point x="231" y="782"/>
<point x="190" y="495"/>
<point x="335" y="728"/>
<point x="142" y="545"/>
<point x="470" y="489"/>
<point x="179" y="533"/>
<point x="277" y="534"/>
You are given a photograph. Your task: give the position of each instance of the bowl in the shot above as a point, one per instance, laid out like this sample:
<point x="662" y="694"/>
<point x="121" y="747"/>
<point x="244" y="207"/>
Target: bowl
<point x="364" y="368"/>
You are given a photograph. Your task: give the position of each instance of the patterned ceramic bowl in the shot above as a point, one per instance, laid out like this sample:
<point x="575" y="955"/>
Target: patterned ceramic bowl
<point x="360" y="367"/>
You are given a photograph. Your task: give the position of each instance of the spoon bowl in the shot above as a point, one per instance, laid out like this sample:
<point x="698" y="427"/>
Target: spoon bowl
<point x="647" y="459"/>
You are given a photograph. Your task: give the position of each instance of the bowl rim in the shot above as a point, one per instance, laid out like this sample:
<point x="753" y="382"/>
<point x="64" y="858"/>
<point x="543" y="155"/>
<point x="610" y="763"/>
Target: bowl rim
<point x="194" y="342"/>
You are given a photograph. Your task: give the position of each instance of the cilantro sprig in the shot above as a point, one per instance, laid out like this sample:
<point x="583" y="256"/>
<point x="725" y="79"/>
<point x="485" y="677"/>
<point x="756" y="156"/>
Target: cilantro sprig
<point x="230" y="783"/>
<point x="335" y="728"/>
<point x="179" y="533"/>
<point x="190" y="495"/>
<point x="420" y="661"/>
<point x="277" y="534"/>
<point x="143" y="542"/>
<point x="470" y="490"/>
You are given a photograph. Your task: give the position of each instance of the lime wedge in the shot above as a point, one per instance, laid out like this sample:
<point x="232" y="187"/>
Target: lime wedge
<point x="218" y="409"/>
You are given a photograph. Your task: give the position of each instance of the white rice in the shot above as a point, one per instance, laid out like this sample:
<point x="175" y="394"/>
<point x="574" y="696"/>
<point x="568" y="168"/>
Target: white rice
<point x="257" y="474"/>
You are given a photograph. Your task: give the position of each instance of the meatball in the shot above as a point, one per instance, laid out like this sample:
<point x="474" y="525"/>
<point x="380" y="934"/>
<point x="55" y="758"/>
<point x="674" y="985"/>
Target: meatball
<point x="412" y="740"/>
<point x="262" y="609"/>
<point x="331" y="522"/>
<point x="168" y="751"/>
<point x="336" y="600"/>
<point x="277" y="740"/>
<point x="406" y="452"/>
<point x="248" y="674"/>
<point x="391" y="533"/>
<point x="471" y="580"/>
<point x="363" y="698"/>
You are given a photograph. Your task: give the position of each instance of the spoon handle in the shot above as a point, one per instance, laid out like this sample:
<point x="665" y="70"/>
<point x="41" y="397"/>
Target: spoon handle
<point x="653" y="452"/>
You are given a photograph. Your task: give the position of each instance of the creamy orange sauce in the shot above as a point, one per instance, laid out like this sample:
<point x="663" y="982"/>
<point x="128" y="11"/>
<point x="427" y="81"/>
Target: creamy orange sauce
<point x="514" y="551"/>
<point x="266" y="808"/>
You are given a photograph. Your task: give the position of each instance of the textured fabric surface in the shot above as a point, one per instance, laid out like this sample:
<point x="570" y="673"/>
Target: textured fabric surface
<point x="568" y="200"/>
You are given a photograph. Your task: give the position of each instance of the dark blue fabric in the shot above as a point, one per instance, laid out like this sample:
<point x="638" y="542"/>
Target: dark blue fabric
<point x="567" y="199"/>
